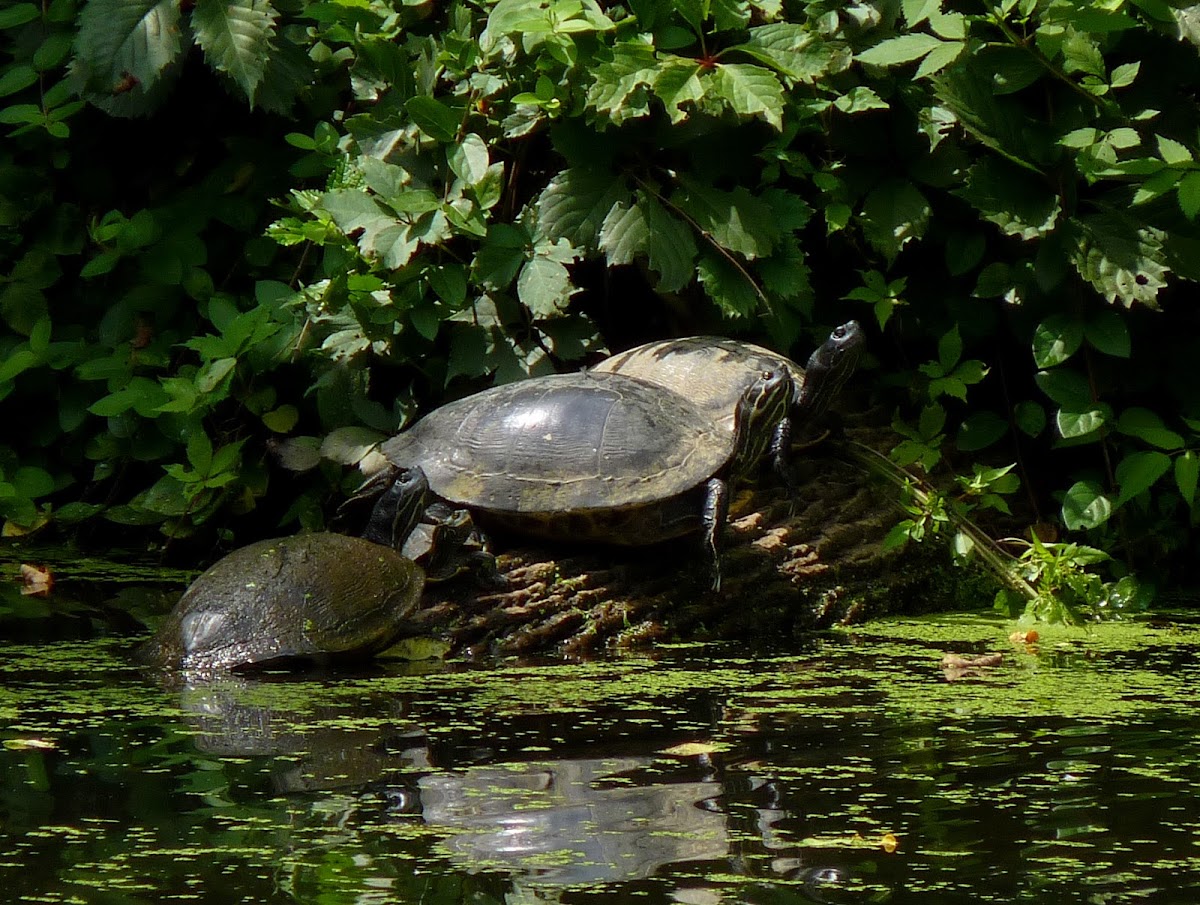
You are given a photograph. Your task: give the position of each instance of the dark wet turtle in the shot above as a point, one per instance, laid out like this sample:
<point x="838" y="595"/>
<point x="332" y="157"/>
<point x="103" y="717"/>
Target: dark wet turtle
<point x="713" y="372"/>
<point x="592" y="457"/>
<point x="313" y="597"/>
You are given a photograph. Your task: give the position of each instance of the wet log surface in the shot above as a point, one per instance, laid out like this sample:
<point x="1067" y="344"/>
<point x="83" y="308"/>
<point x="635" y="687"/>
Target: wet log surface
<point x="791" y="565"/>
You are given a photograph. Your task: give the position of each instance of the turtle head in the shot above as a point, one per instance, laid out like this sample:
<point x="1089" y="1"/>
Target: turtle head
<point x="399" y="507"/>
<point x="828" y="368"/>
<point x="758" y="413"/>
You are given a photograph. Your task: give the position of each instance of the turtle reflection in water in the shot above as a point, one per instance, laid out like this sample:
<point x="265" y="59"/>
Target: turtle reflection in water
<point x="591" y="457"/>
<point x="314" y="597"/>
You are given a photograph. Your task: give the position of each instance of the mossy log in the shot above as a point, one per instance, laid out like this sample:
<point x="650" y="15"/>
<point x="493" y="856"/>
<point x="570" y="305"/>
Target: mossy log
<point x="792" y="563"/>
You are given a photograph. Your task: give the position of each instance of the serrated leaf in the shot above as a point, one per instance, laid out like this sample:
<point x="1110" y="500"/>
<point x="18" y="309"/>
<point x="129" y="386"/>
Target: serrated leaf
<point x="1123" y="76"/>
<point x="860" y="99"/>
<point x="1172" y="152"/>
<point x="678" y="83"/>
<point x="1021" y="204"/>
<point x="1138" y="472"/>
<point x="900" y="49"/>
<point x="949" y="349"/>
<point x="200" y="451"/>
<point x="1187" y="470"/>
<point x="1188" y="194"/>
<point x="615" y="82"/>
<point x="894" y="214"/>
<point x="576" y="202"/>
<point x="793" y="50"/>
<point x="727" y="286"/>
<point x="1121" y="257"/>
<point x="140" y="38"/>
<point x="646" y="229"/>
<point x="236" y="37"/>
<point x="736" y="219"/>
<point x="1085" y="506"/>
<point x="939" y="58"/>
<point x="748" y="90"/>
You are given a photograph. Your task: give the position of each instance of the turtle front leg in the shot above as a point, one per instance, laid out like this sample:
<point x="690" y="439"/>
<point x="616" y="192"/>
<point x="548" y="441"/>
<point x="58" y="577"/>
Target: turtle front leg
<point x="780" y="453"/>
<point x="713" y="518"/>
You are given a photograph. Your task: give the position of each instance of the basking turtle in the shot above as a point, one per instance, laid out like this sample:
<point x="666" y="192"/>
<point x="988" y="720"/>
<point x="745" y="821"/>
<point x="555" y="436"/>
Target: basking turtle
<point x="713" y="372"/>
<point x="592" y="457"/>
<point x="312" y="597"/>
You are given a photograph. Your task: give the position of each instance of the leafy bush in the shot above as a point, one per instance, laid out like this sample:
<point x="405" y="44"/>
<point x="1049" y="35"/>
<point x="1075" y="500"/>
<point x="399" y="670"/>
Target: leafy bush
<point x="477" y="191"/>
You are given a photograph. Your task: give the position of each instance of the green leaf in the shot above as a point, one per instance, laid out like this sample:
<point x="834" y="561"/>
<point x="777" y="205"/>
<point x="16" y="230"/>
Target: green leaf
<point x="1123" y="76"/>
<point x="939" y="58"/>
<point x="860" y="99"/>
<point x="469" y="159"/>
<point x="1030" y="417"/>
<point x="727" y="286"/>
<point x="612" y="92"/>
<point x="1077" y="425"/>
<point x="437" y="120"/>
<point x="544" y="287"/>
<point x="236" y="37"/>
<point x="1108" y="333"/>
<point x="18" y="14"/>
<point x="736" y="220"/>
<point x="949" y="349"/>
<point x="18" y="78"/>
<point x="980" y="431"/>
<point x="646" y="229"/>
<point x="1056" y="339"/>
<point x="1123" y="258"/>
<point x="901" y="49"/>
<point x="1020" y="203"/>
<point x="793" y="50"/>
<point x="1188" y="193"/>
<point x="16" y="362"/>
<point x="200" y="451"/>
<point x="127" y="38"/>
<point x="931" y="421"/>
<point x="1148" y="426"/>
<point x="282" y="419"/>
<point x="1172" y="152"/>
<point x="676" y="84"/>
<point x="575" y="203"/>
<point x="1085" y="506"/>
<point x="1187" y="470"/>
<point x="893" y="215"/>
<point x="750" y="91"/>
<point x="1138" y="472"/>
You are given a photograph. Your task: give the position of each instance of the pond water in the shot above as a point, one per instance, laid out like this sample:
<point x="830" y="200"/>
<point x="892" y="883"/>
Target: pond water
<point x="852" y="770"/>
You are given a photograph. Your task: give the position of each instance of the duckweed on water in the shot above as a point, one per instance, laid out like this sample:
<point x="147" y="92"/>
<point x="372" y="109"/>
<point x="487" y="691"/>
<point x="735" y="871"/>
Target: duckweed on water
<point x="852" y="771"/>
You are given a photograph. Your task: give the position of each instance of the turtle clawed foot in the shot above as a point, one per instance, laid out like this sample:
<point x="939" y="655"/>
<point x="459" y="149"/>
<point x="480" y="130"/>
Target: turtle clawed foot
<point x="487" y="576"/>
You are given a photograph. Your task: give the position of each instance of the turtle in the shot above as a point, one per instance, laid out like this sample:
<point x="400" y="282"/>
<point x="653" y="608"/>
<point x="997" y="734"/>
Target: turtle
<point x="590" y="457"/>
<point x="714" y="371"/>
<point x="319" y="597"/>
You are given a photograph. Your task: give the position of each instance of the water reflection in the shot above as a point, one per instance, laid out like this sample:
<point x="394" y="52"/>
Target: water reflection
<point x="570" y="822"/>
<point x="849" y="773"/>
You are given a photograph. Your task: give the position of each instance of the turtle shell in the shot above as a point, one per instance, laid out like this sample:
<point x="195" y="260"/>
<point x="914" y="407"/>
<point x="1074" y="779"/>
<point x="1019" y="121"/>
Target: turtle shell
<point x="712" y="371"/>
<point x="315" y="597"/>
<point x="577" y="450"/>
